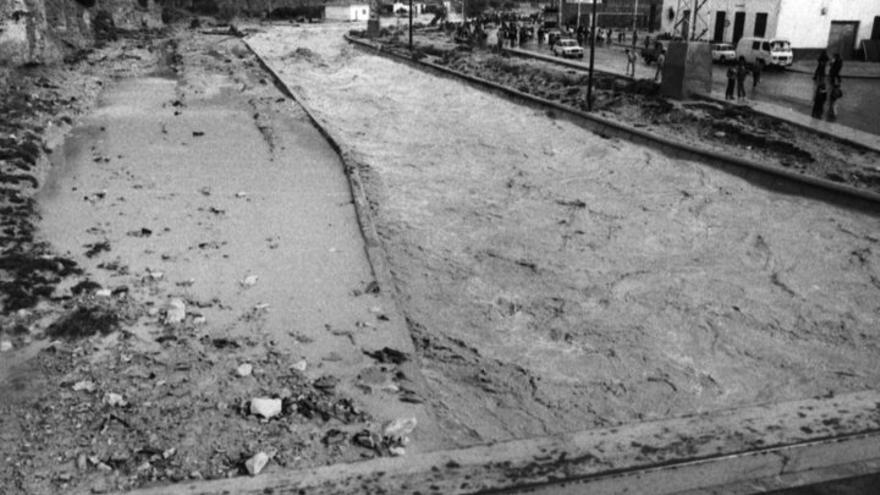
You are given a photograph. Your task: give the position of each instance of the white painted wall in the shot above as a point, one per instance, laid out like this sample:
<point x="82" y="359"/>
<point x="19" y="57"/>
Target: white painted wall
<point x="353" y="12"/>
<point x="730" y="7"/>
<point x="807" y="27"/>
<point x="799" y="21"/>
<point x="418" y="7"/>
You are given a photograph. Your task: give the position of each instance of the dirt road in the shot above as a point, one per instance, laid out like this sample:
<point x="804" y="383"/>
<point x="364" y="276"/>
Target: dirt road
<point x="556" y="280"/>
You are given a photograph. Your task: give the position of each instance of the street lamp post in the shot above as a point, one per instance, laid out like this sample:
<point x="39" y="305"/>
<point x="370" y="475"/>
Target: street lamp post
<point x="592" y="57"/>
<point x="635" y="19"/>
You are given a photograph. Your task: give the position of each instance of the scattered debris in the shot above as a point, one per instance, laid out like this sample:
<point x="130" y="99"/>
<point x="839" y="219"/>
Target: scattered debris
<point x="265" y="407"/>
<point x="5" y="345"/>
<point x="249" y="281"/>
<point x="85" y="321"/>
<point x="256" y="463"/>
<point x="388" y="355"/>
<point x="114" y="400"/>
<point x="243" y="370"/>
<point x="84" y="385"/>
<point x="96" y="247"/>
<point x="143" y="232"/>
<point x="300" y="365"/>
<point x="175" y="312"/>
<point x="398" y="431"/>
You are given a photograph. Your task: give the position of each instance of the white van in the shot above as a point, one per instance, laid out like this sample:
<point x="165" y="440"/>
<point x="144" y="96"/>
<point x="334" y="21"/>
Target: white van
<point x="765" y="51"/>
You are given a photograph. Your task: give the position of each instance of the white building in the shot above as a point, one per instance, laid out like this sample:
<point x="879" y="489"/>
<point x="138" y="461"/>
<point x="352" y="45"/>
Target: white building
<point x="347" y="12"/>
<point x="418" y="7"/>
<point x="810" y="25"/>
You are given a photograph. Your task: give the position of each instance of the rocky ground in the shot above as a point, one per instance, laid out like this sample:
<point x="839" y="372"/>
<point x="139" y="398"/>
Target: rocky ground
<point x="146" y="265"/>
<point x="729" y="129"/>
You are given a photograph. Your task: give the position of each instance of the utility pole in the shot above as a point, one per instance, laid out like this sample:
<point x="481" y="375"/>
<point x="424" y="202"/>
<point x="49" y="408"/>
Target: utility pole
<point x="694" y="28"/>
<point x="635" y="17"/>
<point x="559" y="16"/>
<point x="410" y="24"/>
<point x="592" y="57"/>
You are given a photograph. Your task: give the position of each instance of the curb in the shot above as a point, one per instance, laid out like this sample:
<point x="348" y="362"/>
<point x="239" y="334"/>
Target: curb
<point x="820" y="132"/>
<point x="842" y="76"/>
<point x="539" y="56"/>
<point x="519" y="52"/>
<point x="373" y="247"/>
<point x="600" y="124"/>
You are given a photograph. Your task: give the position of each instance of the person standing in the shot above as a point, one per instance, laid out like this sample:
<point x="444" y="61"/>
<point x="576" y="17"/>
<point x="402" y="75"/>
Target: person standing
<point x="731" y="83"/>
<point x="819" y="74"/>
<point x="661" y="61"/>
<point x="756" y="74"/>
<point x="741" y="72"/>
<point x="630" y="63"/>
<point x="836" y="94"/>
<point x="819" y="100"/>
<point x="834" y="72"/>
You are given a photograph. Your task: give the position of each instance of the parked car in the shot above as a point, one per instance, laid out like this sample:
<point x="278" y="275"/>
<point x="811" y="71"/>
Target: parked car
<point x="723" y="53"/>
<point x="650" y="54"/>
<point x="765" y="52"/>
<point x="568" y="48"/>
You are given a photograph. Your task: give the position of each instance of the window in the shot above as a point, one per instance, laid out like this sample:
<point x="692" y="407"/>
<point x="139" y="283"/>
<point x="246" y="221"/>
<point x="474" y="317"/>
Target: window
<point x="756" y="45"/>
<point x="760" y="24"/>
<point x="766" y="46"/>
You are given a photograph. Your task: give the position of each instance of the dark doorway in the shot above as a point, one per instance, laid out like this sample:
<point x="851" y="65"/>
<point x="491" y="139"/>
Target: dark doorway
<point x="875" y="31"/>
<point x="652" y="18"/>
<point x="760" y="25"/>
<point x="739" y="24"/>
<point x="720" y="19"/>
<point x="842" y="38"/>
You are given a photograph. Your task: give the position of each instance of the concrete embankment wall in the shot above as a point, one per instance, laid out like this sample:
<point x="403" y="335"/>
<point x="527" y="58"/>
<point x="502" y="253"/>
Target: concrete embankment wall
<point x="44" y="31"/>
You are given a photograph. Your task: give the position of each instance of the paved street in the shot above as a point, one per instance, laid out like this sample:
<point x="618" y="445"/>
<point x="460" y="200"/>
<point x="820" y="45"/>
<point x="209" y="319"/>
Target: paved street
<point x="857" y="108"/>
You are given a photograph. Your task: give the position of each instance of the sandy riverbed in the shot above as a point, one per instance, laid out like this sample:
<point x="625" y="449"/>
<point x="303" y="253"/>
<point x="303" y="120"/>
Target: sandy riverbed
<point x="201" y="184"/>
<point x="557" y="280"/>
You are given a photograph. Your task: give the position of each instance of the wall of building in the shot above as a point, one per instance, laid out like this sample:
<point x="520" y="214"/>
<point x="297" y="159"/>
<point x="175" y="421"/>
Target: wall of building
<point x="355" y="12"/>
<point x="800" y="21"/>
<point x="616" y="13"/>
<point x="730" y="7"/>
<point x="804" y="23"/>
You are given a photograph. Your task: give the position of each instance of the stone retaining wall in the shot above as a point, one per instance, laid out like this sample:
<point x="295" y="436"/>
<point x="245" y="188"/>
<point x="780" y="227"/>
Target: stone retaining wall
<point x="43" y="31"/>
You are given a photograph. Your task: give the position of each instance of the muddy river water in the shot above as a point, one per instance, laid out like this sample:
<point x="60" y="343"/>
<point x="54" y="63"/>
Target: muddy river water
<point x="556" y="280"/>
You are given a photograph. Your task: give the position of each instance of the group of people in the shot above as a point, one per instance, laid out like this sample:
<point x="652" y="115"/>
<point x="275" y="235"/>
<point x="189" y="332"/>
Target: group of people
<point x="827" y="86"/>
<point x="736" y="79"/>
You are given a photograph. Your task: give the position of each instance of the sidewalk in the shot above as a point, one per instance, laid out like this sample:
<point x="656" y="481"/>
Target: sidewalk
<point x="852" y="69"/>
<point x="643" y="71"/>
<point x="861" y="138"/>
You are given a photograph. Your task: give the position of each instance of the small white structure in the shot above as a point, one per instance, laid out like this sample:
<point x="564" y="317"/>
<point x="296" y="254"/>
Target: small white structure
<point x="349" y="12"/>
<point x="810" y="25"/>
<point x="418" y="8"/>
